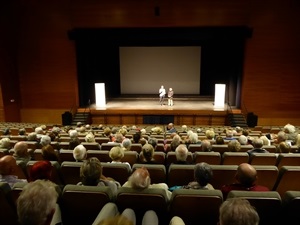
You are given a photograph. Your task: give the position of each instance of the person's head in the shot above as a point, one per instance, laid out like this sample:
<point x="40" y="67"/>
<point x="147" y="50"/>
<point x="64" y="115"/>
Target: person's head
<point x="246" y="175"/>
<point x="234" y="146"/>
<point x="8" y="165"/>
<point x="170" y="126"/>
<point x="140" y="178"/>
<point x="45" y="140"/>
<point x="210" y="134"/>
<point x="6" y="131"/>
<point x="21" y="149"/>
<point x="22" y="131"/>
<point x="153" y="141"/>
<point x="5" y="143"/>
<point x="203" y="173"/>
<point x="116" y="220"/>
<point x="136" y="137"/>
<point x="229" y="133"/>
<point x="148" y="152"/>
<point x="265" y="140"/>
<point x="116" y="153"/>
<point x="284" y="147"/>
<point x="73" y="133"/>
<point x="123" y="131"/>
<point x="119" y="138"/>
<point x="181" y="152"/>
<point x="219" y="140"/>
<point x="184" y="128"/>
<point x="176" y="141"/>
<point x="193" y="138"/>
<point x="79" y="153"/>
<point x="107" y="131"/>
<point x="39" y="130"/>
<point x="237" y="211"/>
<point x="41" y="170"/>
<point x="36" y="203"/>
<point x="243" y="140"/>
<point x="298" y="140"/>
<point x="289" y="129"/>
<point x="90" y="137"/>
<point x="32" y="136"/>
<point x="257" y="142"/>
<point x="49" y="153"/>
<point x="74" y="142"/>
<point x="281" y="136"/>
<point x="91" y="171"/>
<point x="126" y="143"/>
<point x="206" y="146"/>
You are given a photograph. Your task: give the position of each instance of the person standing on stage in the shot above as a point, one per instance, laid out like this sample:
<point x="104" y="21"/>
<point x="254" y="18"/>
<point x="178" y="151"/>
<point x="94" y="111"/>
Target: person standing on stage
<point x="170" y="97"/>
<point x="162" y="93"/>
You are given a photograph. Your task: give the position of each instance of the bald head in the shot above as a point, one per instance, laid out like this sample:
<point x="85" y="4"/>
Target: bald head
<point x="7" y="165"/>
<point x="246" y="174"/>
<point x="21" y="149"/>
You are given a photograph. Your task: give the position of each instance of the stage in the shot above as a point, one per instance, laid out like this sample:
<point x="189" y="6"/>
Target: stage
<point x="133" y="109"/>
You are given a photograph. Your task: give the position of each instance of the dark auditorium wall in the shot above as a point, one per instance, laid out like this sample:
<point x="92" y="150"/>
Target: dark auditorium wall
<point x="38" y="61"/>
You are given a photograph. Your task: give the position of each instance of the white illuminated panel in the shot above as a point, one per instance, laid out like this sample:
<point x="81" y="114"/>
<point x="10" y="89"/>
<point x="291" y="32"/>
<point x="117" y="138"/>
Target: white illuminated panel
<point x="100" y="94"/>
<point x="219" y="95"/>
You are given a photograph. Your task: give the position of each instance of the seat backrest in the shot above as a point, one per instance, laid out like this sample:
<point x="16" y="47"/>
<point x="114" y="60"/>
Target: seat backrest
<point x="160" y="157"/>
<point x="131" y="157"/>
<point x="266" y="203"/>
<point x="91" y="145"/>
<point x="291" y="206"/>
<point x="66" y="155"/>
<point x="8" y="213"/>
<point x="160" y="147"/>
<point x="286" y="159"/>
<point x="102" y="155"/>
<point x="180" y="174"/>
<point x="234" y="158"/>
<point x="108" y="146"/>
<point x="287" y="180"/>
<point x="245" y="148"/>
<point x="212" y="158"/>
<point x="21" y="170"/>
<point x="157" y="172"/>
<point x="270" y="148"/>
<point x="219" y="148"/>
<point x="81" y="204"/>
<point x="266" y="175"/>
<point x="118" y="171"/>
<point x="171" y="158"/>
<point x="38" y="155"/>
<point x="137" y="147"/>
<point x="142" y="200"/>
<point x="263" y="159"/>
<point x="223" y="174"/>
<point x="194" y="206"/>
<point x="70" y="172"/>
<point x="64" y="145"/>
<point x="195" y="148"/>
<point x="101" y="140"/>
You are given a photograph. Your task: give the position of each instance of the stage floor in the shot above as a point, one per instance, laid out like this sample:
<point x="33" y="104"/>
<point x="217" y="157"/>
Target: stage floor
<point x="184" y="103"/>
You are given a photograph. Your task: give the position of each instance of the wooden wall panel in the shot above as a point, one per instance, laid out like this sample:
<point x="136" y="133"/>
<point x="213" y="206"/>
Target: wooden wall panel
<point x="45" y="59"/>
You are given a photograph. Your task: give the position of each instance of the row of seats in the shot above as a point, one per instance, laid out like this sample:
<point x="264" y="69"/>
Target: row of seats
<point x="280" y="180"/>
<point x="81" y="204"/>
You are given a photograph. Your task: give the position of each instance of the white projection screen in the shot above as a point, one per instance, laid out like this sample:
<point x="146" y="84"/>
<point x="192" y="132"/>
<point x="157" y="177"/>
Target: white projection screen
<point x="144" y="69"/>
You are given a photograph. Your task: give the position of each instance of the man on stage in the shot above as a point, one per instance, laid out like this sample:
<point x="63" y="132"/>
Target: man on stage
<point x="170" y="97"/>
<point x="162" y="93"/>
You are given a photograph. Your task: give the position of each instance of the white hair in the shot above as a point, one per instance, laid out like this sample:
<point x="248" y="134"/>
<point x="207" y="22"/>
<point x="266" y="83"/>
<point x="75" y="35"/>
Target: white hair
<point x="289" y="128"/>
<point x="45" y="140"/>
<point x="79" y="152"/>
<point x="243" y="140"/>
<point x="73" y="133"/>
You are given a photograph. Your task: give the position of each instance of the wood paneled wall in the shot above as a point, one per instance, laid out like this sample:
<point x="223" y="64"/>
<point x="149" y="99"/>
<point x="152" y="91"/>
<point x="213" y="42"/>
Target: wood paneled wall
<point x="44" y="58"/>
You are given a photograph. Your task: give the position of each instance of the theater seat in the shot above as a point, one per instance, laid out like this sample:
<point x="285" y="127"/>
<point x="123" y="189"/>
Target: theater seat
<point x="234" y="158"/>
<point x="291" y="206"/>
<point x="81" y="204"/>
<point x="70" y="172"/>
<point x="180" y="174"/>
<point x="267" y="204"/>
<point x="157" y="172"/>
<point x="118" y="171"/>
<point x="223" y="174"/>
<point x="8" y="213"/>
<point x="212" y="158"/>
<point x="196" y="206"/>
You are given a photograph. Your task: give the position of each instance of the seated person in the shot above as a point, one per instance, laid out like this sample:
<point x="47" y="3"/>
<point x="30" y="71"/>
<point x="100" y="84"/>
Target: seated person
<point x="146" y="155"/>
<point x="246" y="177"/>
<point x="79" y="153"/>
<point x="153" y="141"/>
<point x="126" y="143"/>
<point x="176" y="141"/>
<point x="140" y="179"/>
<point x="206" y="146"/>
<point x="91" y="175"/>
<point x="8" y="167"/>
<point x="36" y="204"/>
<point x="5" y="145"/>
<point x="49" y="153"/>
<point x="234" y="146"/>
<point x="229" y="135"/>
<point x="257" y="146"/>
<point x="171" y="128"/>
<point x="90" y="138"/>
<point x="181" y="153"/>
<point x="219" y="140"/>
<point x="116" y="154"/>
<point x="74" y="142"/>
<point x="21" y="152"/>
<point x="238" y="211"/>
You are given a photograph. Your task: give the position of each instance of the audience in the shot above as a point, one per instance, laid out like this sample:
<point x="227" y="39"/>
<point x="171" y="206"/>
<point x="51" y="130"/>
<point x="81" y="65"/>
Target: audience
<point x="8" y="168"/>
<point x="91" y="175"/>
<point x="140" y="179"/>
<point x="202" y="174"/>
<point x="74" y="142"/>
<point x="206" y="146"/>
<point x="171" y="128"/>
<point x="36" y="204"/>
<point x="153" y="141"/>
<point x="234" y="146"/>
<point x="176" y="141"/>
<point x="219" y="140"/>
<point x="5" y="145"/>
<point x="79" y="153"/>
<point x="245" y="177"/>
<point x="49" y="153"/>
<point x="181" y="153"/>
<point x="210" y="134"/>
<point x="237" y="211"/>
<point x="126" y="143"/>
<point x="257" y="146"/>
<point x="243" y="140"/>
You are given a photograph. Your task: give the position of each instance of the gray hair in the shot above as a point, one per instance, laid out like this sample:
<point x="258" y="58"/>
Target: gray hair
<point x="243" y="140"/>
<point x="79" y="152"/>
<point x="45" y="140"/>
<point x="181" y="152"/>
<point x="36" y="202"/>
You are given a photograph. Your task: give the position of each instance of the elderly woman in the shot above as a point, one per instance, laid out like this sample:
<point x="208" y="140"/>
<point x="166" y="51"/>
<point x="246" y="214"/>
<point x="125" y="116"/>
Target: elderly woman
<point x="146" y="155"/>
<point x="116" y="154"/>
